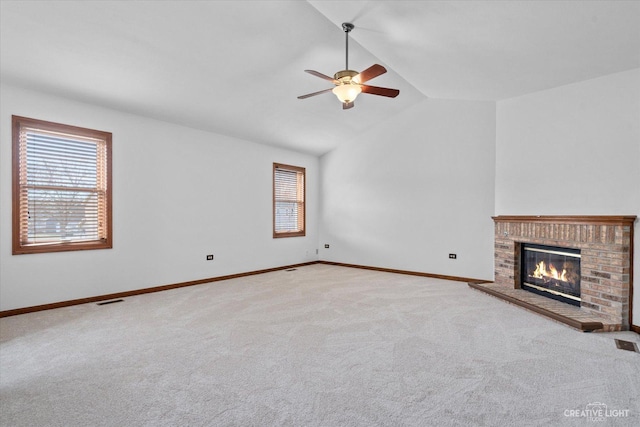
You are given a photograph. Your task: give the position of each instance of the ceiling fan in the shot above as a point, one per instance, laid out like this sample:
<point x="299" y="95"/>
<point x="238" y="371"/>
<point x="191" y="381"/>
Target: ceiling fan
<point x="349" y="83"/>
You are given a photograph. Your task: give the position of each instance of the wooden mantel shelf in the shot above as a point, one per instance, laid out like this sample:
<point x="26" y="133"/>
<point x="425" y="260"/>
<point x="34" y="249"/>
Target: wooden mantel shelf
<point x="569" y="219"/>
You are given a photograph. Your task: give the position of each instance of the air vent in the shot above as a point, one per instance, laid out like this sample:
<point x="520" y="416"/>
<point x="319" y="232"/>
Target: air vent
<point x="626" y="345"/>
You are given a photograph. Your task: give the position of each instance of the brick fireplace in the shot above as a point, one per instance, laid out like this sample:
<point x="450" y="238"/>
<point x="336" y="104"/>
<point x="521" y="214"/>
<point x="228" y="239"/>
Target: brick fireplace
<point x="606" y="247"/>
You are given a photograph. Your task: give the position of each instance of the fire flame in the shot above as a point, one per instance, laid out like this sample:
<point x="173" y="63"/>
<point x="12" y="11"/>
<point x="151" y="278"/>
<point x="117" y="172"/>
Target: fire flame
<point x="542" y="272"/>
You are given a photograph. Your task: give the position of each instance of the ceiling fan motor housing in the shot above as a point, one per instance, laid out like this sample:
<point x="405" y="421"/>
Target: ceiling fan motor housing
<point x="349" y="74"/>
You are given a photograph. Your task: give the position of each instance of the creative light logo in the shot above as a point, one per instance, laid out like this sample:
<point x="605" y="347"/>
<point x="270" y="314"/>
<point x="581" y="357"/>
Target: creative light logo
<point x="595" y="412"/>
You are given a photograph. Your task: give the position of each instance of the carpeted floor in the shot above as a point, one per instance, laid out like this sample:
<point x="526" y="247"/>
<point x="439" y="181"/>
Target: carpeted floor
<point x="318" y="346"/>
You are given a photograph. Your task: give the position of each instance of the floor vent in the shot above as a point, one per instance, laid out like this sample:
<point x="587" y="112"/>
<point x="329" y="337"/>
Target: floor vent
<point x="627" y="345"/>
<point x="109" y="302"/>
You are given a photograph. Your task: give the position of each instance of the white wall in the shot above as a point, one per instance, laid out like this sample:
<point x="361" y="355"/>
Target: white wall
<point x="410" y="191"/>
<point x="178" y="195"/>
<point x="573" y="150"/>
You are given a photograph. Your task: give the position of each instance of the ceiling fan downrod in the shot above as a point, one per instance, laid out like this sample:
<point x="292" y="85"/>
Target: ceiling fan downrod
<point x="347" y="27"/>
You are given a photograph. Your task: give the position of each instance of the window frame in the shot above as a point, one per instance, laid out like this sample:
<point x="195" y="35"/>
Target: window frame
<point x="18" y="246"/>
<point x="303" y="230"/>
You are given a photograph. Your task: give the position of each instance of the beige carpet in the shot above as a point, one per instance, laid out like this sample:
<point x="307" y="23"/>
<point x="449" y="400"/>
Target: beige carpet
<point x="318" y="346"/>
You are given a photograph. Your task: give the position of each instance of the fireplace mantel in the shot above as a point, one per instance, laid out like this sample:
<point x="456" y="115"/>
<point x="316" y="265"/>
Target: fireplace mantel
<point x="606" y="243"/>
<point x="569" y="219"/>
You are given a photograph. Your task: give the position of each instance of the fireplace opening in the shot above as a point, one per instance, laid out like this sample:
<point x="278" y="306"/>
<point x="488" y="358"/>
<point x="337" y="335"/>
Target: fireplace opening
<point x="552" y="272"/>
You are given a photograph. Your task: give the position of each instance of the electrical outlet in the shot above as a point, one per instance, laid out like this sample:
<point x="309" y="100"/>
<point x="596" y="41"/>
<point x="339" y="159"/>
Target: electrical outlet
<point x="209" y="257"/>
<point x="453" y="256"/>
<point x="326" y="246"/>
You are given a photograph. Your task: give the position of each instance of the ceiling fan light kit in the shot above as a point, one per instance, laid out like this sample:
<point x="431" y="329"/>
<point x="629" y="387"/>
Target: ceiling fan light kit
<point x="349" y="83"/>
<point x="347" y="90"/>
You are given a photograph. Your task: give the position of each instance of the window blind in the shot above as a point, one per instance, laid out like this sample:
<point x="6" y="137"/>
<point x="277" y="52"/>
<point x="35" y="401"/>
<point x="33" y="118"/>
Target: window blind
<point x="63" y="187"/>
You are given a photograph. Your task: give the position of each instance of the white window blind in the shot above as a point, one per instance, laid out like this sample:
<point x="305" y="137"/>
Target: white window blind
<point x="289" y="200"/>
<point x="63" y="186"/>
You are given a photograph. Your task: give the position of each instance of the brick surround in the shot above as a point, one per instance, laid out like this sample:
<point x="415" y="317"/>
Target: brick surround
<point x="606" y="245"/>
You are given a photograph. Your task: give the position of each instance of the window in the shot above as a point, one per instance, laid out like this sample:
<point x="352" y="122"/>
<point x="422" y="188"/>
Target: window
<point x="288" y="201"/>
<point x="61" y="187"/>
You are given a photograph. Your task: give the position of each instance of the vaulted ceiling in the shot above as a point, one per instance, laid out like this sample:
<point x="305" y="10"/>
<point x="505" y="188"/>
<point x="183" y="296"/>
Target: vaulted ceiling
<point x="236" y="67"/>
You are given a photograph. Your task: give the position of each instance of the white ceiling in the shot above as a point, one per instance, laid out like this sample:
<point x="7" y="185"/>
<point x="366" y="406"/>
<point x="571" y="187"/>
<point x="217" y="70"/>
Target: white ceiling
<point x="236" y="67"/>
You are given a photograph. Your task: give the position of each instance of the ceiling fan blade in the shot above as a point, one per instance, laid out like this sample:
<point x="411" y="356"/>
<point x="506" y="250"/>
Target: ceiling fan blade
<point x="374" y="71"/>
<point x="382" y="91"/>
<point x="314" y="93"/>
<point x="347" y="105"/>
<point x="322" y="76"/>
